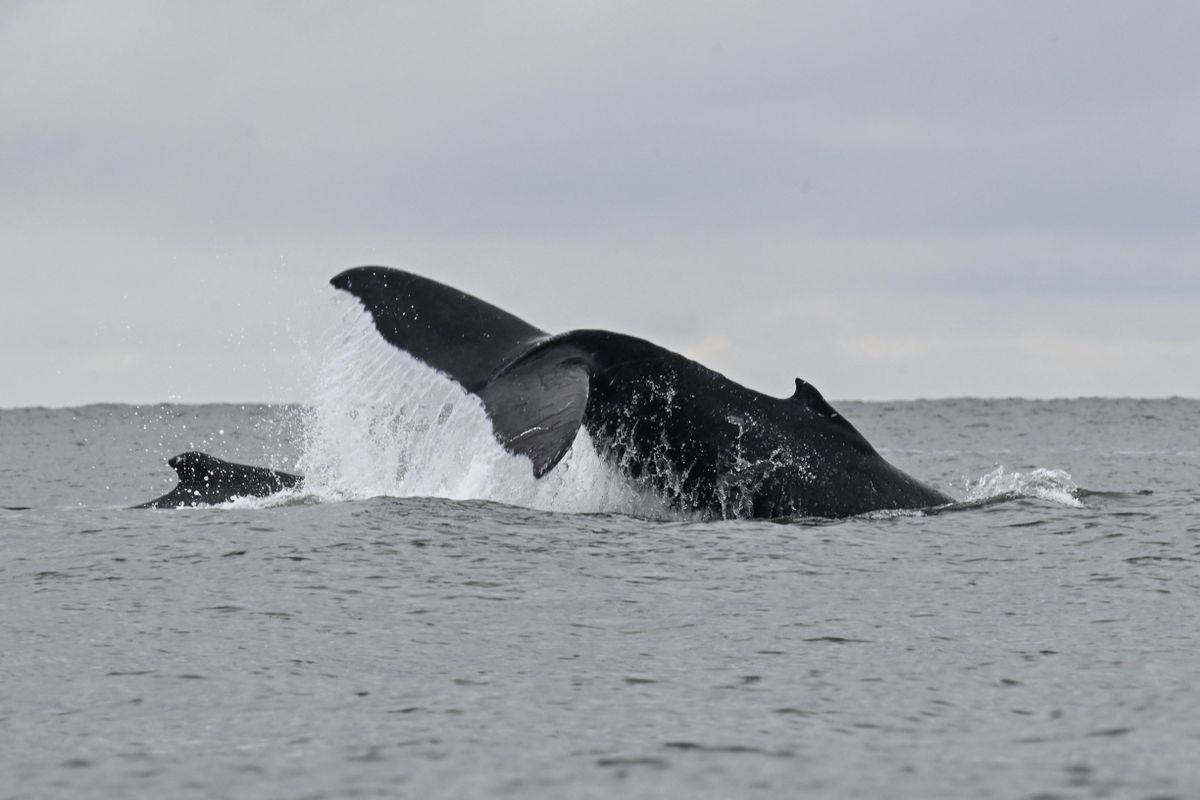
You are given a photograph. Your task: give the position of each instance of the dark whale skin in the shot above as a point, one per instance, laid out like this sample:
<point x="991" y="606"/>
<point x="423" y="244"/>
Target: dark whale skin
<point x="703" y="442"/>
<point x="206" y="480"/>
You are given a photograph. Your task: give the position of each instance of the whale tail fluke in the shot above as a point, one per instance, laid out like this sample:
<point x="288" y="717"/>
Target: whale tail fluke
<point x="534" y="388"/>
<point x="537" y="404"/>
<point x="447" y="329"/>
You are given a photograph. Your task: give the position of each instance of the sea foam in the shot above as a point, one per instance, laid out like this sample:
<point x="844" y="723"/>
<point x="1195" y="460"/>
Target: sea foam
<point x="1053" y="485"/>
<point x="385" y="424"/>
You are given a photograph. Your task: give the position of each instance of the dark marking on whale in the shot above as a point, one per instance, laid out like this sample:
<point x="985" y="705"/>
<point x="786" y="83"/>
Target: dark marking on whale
<point x="207" y="480"/>
<point x="696" y="438"/>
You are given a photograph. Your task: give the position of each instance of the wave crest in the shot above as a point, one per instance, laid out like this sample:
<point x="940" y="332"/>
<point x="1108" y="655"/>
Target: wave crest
<point x="1053" y="485"/>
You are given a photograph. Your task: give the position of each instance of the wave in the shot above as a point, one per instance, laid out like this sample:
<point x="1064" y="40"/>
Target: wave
<point x="999" y="485"/>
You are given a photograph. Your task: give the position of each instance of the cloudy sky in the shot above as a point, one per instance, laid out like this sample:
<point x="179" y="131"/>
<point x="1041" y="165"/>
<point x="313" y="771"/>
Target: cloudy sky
<point x="892" y="200"/>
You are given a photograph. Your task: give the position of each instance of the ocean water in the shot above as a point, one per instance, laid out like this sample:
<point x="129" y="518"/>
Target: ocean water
<point x="424" y="619"/>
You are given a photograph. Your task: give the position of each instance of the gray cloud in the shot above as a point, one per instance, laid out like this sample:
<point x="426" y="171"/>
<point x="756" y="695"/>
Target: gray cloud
<point x="905" y="198"/>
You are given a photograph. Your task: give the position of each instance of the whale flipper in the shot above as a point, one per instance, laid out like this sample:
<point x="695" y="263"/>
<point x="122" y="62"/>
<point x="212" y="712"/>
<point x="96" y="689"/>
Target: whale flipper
<point x="207" y="480"/>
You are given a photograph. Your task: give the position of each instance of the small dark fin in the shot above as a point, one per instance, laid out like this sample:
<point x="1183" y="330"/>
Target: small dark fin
<point x="537" y="404"/>
<point x="206" y="480"/>
<point x="807" y="393"/>
<point x="449" y="330"/>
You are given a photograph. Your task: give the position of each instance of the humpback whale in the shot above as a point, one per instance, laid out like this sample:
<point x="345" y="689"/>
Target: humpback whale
<point x="693" y="437"/>
<point x="206" y="480"/>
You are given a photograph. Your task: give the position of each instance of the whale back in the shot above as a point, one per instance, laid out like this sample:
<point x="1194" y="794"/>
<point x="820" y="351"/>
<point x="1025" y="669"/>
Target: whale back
<point x="206" y="480"/>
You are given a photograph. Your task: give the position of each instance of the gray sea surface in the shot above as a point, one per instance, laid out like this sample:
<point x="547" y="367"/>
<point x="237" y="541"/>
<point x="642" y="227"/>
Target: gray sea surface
<point x="1042" y="640"/>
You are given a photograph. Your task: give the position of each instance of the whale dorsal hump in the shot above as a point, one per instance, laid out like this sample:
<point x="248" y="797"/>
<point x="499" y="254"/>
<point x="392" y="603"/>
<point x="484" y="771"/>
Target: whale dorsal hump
<point x="206" y="480"/>
<point x="807" y="394"/>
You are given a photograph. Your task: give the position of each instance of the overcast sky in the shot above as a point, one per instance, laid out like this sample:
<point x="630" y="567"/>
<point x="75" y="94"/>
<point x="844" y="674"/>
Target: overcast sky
<point x="891" y="200"/>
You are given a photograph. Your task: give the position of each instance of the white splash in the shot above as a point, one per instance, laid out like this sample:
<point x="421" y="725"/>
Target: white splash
<point x="1053" y="485"/>
<point x="385" y="424"/>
